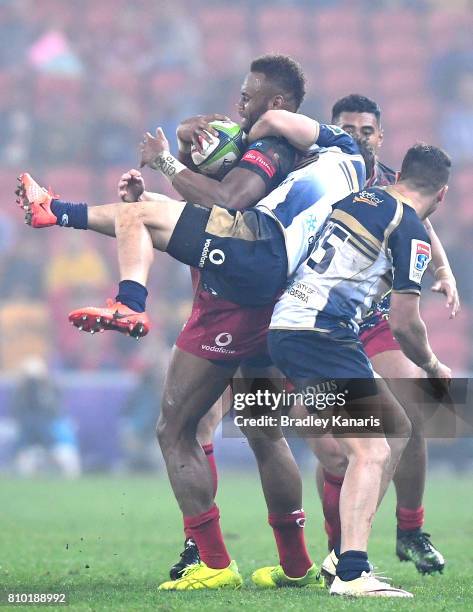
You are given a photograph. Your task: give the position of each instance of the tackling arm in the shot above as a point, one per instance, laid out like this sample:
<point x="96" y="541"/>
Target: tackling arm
<point x="260" y="169"/>
<point x="300" y="131"/>
<point x="239" y="189"/>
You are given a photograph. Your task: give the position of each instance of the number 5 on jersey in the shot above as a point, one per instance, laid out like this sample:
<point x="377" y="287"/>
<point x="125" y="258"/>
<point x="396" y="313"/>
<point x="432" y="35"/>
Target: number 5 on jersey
<point x="333" y="238"/>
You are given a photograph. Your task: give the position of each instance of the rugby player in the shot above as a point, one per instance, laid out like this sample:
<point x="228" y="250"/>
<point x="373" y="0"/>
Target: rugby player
<point x="361" y="117"/>
<point x="178" y="427"/>
<point x="313" y="334"/>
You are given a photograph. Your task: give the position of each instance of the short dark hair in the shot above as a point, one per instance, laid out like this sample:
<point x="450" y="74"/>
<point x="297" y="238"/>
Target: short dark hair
<point x="284" y="72"/>
<point x="355" y="103"/>
<point x="426" y="168"/>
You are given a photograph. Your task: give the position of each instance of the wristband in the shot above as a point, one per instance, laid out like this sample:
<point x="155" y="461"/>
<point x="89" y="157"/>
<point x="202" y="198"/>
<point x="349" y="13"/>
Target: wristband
<point x="444" y="275"/>
<point x="431" y="364"/>
<point x="168" y="165"/>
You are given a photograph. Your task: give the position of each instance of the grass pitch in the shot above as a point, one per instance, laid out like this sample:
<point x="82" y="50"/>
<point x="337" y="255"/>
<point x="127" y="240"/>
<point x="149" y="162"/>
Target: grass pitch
<point x="109" y="541"/>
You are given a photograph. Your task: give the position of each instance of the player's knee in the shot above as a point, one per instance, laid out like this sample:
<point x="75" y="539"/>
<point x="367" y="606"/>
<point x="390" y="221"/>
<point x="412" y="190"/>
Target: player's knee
<point x="336" y="463"/>
<point x="374" y="453"/>
<point x="381" y="455"/>
<point x="162" y="430"/>
<point x="167" y="431"/>
<point x="127" y="211"/>
<point x="262" y="446"/>
<point x="176" y="423"/>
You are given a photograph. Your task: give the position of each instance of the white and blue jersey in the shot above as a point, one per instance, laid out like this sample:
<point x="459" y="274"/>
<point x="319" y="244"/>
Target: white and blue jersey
<point x="372" y="241"/>
<point x="246" y="257"/>
<point x="303" y="201"/>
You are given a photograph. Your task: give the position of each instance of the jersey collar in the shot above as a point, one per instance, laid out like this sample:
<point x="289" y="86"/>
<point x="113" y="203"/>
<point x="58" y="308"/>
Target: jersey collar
<point x="399" y="196"/>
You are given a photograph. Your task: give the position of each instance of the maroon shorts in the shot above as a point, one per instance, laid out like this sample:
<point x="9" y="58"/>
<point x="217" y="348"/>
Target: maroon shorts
<point x="379" y="339"/>
<point x="222" y="331"/>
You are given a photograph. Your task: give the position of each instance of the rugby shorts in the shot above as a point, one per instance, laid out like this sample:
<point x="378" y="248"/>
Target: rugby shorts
<point x="241" y="255"/>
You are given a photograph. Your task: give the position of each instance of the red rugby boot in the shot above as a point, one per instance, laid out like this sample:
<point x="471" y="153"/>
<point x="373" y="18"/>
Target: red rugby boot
<point x="35" y="201"/>
<point x="115" y="316"/>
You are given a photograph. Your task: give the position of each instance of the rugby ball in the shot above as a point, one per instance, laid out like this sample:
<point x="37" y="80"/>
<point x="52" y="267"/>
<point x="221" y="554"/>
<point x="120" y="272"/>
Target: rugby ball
<point x="223" y="152"/>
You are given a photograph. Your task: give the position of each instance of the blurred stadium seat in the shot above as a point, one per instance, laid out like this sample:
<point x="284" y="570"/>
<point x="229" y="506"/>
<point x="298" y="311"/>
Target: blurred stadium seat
<point x="74" y="183"/>
<point x="229" y="21"/>
<point x="449" y="338"/>
<point x="397" y="22"/>
<point x="292" y="19"/>
<point x="342" y="20"/>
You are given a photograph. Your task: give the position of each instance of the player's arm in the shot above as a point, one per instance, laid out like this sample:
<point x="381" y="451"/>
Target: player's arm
<point x="299" y="130"/>
<point x="257" y="173"/>
<point x="444" y="278"/>
<point x="410" y="331"/>
<point x="302" y="132"/>
<point x="411" y="254"/>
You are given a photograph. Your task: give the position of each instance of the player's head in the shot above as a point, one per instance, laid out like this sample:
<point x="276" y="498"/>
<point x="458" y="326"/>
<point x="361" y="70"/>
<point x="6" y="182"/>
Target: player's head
<point x="425" y="170"/>
<point x="359" y="116"/>
<point x="274" y="82"/>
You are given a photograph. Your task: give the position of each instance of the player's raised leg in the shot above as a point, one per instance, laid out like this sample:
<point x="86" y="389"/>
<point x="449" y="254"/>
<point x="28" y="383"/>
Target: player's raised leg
<point x="140" y="227"/>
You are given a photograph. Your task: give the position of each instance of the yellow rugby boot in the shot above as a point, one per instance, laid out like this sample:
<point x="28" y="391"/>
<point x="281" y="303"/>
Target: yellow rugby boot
<point x="273" y="577"/>
<point x="200" y="576"/>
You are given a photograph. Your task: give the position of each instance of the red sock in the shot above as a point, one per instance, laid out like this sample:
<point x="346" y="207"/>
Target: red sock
<point x="289" y="534"/>
<point x="209" y="453"/>
<point x="408" y="520"/>
<point x="205" y="530"/>
<point x="331" y="508"/>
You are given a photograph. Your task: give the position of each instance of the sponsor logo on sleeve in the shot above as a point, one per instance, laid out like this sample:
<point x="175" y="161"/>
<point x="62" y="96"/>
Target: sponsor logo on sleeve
<point x="262" y="161"/>
<point x="420" y="258"/>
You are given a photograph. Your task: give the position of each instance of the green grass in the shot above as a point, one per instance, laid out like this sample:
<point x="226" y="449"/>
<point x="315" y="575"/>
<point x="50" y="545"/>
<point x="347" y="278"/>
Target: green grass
<point x="108" y="542"/>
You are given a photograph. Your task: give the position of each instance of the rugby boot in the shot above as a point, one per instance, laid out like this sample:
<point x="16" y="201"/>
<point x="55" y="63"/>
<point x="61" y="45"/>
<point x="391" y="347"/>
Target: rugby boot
<point x="329" y="568"/>
<point x="189" y="556"/>
<point x="416" y="546"/>
<point x="200" y="576"/>
<point x="367" y="585"/>
<point x="273" y="577"/>
<point x="115" y="317"/>
<point x="35" y="201"/>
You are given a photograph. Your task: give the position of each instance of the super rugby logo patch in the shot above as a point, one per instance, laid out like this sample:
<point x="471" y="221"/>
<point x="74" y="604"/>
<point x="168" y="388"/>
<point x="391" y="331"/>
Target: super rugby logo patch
<point x="420" y="258"/>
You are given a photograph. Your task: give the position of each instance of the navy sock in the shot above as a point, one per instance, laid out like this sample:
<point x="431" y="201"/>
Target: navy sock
<point x="132" y="294"/>
<point x="336" y="550"/>
<point x="351" y="564"/>
<point x="70" y="214"/>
